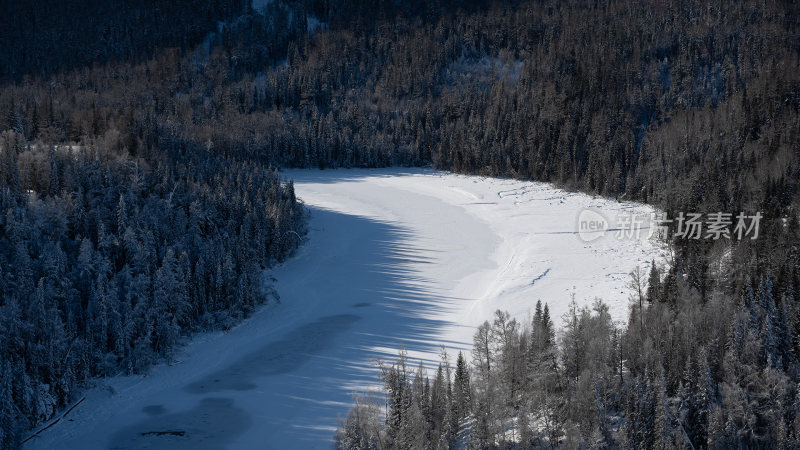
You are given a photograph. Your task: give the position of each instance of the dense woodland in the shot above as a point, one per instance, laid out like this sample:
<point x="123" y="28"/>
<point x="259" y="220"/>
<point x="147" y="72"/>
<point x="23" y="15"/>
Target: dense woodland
<point x="118" y="241"/>
<point x="43" y="37"/>
<point x="142" y="168"/>
<point x="715" y="374"/>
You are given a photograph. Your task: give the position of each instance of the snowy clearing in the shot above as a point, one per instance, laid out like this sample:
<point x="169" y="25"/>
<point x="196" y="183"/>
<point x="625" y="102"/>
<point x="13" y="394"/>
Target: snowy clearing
<point x="395" y="257"/>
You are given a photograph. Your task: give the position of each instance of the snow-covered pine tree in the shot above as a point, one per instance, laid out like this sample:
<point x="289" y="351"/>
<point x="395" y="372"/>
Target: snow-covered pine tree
<point x="461" y="389"/>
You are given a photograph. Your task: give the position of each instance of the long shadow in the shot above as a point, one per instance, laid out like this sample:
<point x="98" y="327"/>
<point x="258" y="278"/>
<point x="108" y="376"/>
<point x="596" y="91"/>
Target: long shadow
<point x="331" y="176"/>
<point x="370" y="296"/>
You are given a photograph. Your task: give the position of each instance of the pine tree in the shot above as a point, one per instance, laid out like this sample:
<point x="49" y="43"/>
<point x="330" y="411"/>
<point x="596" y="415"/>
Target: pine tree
<point x="171" y="301"/>
<point x="783" y="336"/>
<point x="548" y="334"/>
<point x="399" y="400"/>
<point x="662" y="421"/>
<point x="461" y="387"/>
<point x="54" y="186"/>
<point x="653" y="283"/>
<point x="438" y="400"/>
<point x="9" y="422"/>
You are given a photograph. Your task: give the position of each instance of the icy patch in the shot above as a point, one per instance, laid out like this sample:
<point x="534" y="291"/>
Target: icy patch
<point x="275" y="358"/>
<point x="213" y="423"/>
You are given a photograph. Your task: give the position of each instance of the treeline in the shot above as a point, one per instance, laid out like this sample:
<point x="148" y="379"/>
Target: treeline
<point x="701" y="114"/>
<point x="720" y="374"/>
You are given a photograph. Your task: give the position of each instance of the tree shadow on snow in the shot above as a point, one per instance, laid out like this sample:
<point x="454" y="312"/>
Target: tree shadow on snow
<point x="367" y="296"/>
<point x="332" y="176"/>
<point x="398" y="307"/>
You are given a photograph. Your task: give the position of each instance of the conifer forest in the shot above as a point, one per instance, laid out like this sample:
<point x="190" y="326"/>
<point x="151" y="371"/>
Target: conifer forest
<point x="160" y="162"/>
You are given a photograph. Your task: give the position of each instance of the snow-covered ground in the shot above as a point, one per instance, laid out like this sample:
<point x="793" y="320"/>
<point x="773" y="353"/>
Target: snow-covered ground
<point x="395" y="257"/>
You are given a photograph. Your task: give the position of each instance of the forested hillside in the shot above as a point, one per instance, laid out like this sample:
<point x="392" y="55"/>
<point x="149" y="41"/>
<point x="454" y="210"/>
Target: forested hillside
<point x="118" y="238"/>
<point x="690" y="106"/>
<point x="42" y="37"/>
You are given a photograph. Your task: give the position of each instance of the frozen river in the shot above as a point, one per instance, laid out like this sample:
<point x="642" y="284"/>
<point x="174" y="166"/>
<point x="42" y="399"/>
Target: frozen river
<point x="397" y="257"/>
